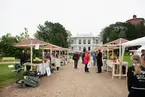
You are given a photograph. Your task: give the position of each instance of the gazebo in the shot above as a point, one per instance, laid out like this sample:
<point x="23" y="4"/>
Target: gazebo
<point x="30" y="43"/>
<point x="114" y="45"/>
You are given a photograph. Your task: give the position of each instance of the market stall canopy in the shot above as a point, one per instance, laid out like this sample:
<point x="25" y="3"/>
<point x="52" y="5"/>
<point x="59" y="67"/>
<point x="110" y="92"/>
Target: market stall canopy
<point x="50" y="46"/>
<point x="30" y="42"/>
<point x="135" y="42"/>
<point x="105" y="47"/>
<point x="113" y="44"/>
<point x="53" y="47"/>
<point x="117" y="42"/>
<point x="66" y="49"/>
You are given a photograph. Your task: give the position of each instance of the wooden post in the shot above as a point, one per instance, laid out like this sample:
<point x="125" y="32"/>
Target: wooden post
<point x="120" y="59"/>
<point x="43" y="53"/>
<point x="31" y="60"/>
<point x="107" y="59"/>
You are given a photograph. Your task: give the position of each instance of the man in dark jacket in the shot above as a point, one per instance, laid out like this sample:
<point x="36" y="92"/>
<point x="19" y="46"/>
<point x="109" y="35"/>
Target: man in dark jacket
<point x="99" y="61"/>
<point x="76" y="58"/>
<point x="22" y="57"/>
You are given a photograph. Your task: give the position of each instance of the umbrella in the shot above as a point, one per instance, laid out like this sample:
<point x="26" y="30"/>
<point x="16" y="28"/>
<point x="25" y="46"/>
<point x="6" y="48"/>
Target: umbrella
<point x="30" y="42"/>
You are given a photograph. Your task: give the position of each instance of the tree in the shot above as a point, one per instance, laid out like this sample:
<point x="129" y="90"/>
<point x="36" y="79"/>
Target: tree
<point x="7" y="45"/>
<point x="122" y="30"/>
<point x="68" y="39"/>
<point x="23" y="35"/>
<point x="53" y="33"/>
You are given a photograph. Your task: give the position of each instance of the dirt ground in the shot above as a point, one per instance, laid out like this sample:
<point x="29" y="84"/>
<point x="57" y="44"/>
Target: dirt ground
<point x="69" y="82"/>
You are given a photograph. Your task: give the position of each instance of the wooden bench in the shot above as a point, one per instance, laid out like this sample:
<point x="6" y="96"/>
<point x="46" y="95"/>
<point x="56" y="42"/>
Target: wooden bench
<point x="5" y="59"/>
<point x="9" y="60"/>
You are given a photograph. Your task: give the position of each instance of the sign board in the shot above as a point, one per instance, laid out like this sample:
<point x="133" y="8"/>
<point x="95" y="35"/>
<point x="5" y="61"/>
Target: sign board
<point x="37" y="46"/>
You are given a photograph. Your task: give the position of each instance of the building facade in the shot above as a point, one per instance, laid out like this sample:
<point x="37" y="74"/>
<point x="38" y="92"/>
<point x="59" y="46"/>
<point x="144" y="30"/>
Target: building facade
<point x="79" y="42"/>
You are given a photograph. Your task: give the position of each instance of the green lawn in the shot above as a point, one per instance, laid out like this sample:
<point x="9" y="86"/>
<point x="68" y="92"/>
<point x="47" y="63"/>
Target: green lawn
<point x="128" y="59"/>
<point x="7" y="77"/>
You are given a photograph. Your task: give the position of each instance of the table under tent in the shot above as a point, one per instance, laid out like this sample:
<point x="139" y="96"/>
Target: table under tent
<point x="117" y="65"/>
<point x="36" y="67"/>
<point x="58" y="49"/>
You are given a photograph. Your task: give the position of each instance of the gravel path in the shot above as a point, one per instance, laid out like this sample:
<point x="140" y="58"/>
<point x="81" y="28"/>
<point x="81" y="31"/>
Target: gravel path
<point x="72" y="83"/>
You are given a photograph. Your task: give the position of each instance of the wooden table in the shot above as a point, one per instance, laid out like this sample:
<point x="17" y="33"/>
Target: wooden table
<point x="117" y="68"/>
<point x="41" y="67"/>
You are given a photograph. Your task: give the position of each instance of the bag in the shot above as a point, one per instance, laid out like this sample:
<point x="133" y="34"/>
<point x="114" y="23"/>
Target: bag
<point x="31" y="81"/>
<point x="89" y="64"/>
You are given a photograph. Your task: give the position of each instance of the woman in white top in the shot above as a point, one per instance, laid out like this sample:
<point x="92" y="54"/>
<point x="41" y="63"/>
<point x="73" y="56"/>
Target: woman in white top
<point x="57" y="63"/>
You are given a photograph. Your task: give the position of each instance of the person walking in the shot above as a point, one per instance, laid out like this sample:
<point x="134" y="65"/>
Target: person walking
<point x="86" y="61"/>
<point x="75" y="58"/>
<point x="136" y="77"/>
<point x="99" y="61"/>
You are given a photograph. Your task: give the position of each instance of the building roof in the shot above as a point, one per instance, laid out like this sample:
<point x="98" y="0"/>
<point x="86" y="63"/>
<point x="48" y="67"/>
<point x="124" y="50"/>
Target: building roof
<point x="30" y="42"/>
<point x="135" y="20"/>
<point x="85" y="35"/>
<point x="117" y="41"/>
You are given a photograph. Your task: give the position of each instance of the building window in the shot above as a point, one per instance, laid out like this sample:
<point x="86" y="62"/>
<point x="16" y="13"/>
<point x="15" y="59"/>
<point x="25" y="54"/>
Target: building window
<point x="89" y="41"/>
<point x="89" y="48"/>
<point x="79" y="48"/>
<point x="79" y="41"/>
<point x="96" y="41"/>
<point x="84" y="41"/>
<point x="72" y="41"/>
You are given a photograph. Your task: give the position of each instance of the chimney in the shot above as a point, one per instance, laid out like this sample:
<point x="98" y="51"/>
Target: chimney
<point x="134" y="16"/>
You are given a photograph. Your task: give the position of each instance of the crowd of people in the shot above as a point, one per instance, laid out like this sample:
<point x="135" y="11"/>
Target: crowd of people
<point x="86" y="59"/>
<point x="135" y="74"/>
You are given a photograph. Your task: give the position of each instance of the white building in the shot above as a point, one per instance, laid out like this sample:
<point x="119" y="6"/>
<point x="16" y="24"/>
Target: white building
<point x="86" y="40"/>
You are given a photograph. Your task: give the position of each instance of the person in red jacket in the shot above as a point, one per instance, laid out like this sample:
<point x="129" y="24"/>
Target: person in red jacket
<point x="86" y="61"/>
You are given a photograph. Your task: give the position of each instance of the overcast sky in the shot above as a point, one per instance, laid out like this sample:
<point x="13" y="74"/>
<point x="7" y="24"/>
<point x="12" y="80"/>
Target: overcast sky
<point x="77" y="16"/>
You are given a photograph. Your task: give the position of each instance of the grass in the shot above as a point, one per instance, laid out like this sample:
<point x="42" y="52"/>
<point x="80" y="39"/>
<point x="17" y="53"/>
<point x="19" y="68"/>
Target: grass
<point x="128" y="59"/>
<point x="7" y="77"/>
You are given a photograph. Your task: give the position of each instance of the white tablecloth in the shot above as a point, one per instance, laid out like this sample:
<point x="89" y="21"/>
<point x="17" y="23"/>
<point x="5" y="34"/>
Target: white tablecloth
<point x="41" y="67"/>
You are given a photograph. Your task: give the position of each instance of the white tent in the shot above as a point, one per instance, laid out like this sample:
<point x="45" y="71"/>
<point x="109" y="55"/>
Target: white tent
<point x="141" y="48"/>
<point x="135" y="42"/>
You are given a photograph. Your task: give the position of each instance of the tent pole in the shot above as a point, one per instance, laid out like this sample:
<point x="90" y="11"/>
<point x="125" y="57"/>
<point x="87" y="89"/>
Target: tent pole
<point x="120" y="59"/>
<point x="31" y="54"/>
<point x="107" y="53"/>
<point x="31" y="57"/>
<point x="43" y="53"/>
